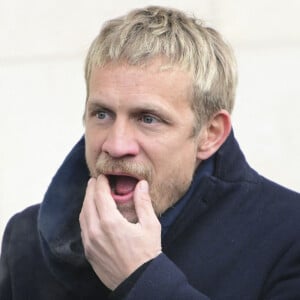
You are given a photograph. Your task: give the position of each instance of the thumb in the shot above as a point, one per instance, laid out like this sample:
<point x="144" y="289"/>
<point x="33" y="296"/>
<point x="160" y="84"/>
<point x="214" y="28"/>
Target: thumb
<point x="143" y="205"/>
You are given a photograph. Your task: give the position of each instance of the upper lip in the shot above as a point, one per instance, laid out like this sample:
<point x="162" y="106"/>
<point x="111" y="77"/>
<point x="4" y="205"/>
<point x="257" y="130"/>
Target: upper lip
<point x="123" y="174"/>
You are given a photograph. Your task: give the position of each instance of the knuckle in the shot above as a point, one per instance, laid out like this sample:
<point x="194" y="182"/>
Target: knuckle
<point x="108" y="224"/>
<point x="88" y="252"/>
<point x="90" y="241"/>
<point x="93" y="234"/>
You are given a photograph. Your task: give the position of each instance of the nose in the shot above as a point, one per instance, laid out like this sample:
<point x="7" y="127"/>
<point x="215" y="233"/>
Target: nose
<point x="121" y="140"/>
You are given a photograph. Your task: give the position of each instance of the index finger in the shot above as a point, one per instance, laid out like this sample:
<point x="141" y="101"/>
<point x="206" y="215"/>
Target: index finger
<point x="89" y="214"/>
<point x="105" y="203"/>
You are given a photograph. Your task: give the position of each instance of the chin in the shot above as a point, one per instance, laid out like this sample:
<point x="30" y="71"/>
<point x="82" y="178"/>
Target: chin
<point x="129" y="214"/>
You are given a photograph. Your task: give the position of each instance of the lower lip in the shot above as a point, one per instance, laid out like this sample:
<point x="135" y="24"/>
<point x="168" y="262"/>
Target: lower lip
<point x="120" y="199"/>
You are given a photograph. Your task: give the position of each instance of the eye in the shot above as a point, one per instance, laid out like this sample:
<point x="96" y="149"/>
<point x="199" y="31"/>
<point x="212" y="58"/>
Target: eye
<point x="101" y="115"/>
<point x="148" y="119"/>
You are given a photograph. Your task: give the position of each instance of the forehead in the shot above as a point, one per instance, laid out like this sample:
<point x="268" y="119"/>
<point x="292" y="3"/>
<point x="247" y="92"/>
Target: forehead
<point x="154" y="77"/>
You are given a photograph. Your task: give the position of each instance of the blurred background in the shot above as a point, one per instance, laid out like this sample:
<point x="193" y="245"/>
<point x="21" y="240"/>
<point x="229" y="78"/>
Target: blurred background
<point x="42" y="93"/>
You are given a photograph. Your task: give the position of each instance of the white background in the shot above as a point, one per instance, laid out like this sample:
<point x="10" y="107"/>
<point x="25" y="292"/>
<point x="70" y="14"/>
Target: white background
<point x="42" y="92"/>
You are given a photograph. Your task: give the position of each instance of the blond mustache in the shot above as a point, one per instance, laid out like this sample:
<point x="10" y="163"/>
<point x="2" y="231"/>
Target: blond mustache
<point x="108" y="165"/>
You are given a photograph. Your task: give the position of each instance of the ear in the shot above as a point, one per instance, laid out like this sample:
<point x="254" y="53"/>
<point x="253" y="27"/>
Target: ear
<point x="213" y="134"/>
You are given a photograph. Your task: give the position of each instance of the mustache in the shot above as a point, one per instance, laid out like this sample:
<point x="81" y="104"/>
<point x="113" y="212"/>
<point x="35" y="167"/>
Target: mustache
<point x="107" y="165"/>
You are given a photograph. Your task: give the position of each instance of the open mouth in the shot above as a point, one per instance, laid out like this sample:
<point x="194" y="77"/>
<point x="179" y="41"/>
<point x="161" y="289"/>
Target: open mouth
<point x="122" y="184"/>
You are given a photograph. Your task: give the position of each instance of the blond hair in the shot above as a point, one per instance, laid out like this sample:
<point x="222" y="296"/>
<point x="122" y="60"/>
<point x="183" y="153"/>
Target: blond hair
<point x="184" y="41"/>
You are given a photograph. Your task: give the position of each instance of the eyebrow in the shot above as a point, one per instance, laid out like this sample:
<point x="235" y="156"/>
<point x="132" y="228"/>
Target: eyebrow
<point x="94" y="104"/>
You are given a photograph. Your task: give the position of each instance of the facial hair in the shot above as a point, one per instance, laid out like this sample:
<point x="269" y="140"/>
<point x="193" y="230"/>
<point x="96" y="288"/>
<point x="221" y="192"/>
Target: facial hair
<point x="163" y="194"/>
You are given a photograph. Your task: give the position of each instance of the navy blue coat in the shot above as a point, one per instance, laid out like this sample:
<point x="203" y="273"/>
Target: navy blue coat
<point x="238" y="237"/>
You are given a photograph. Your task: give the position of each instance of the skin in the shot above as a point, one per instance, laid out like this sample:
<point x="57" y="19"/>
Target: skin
<point x="140" y="120"/>
<point x="139" y="115"/>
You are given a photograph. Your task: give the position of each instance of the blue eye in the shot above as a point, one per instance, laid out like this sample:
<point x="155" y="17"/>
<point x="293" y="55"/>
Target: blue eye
<point x="101" y="115"/>
<point x="148" y="119"/>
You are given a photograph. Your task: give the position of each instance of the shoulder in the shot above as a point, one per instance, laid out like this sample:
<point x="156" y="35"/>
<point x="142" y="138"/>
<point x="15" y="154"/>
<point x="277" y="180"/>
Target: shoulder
<point x="277" y="194"/>
<point x="279" y="209"/>
<point x="26" y="217"/>
<point x="261" y="206"/>
<point x="21" y="227"/>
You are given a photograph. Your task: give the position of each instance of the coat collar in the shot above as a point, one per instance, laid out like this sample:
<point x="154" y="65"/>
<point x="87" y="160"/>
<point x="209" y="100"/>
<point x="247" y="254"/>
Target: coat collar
<point x="58" y="220"/>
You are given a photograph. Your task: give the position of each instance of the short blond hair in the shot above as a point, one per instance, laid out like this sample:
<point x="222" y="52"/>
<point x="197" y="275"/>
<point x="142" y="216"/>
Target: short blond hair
<point x="184" y="41"/>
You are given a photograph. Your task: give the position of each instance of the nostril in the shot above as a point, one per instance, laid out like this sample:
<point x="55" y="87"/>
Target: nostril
<point x="120" y="147"/>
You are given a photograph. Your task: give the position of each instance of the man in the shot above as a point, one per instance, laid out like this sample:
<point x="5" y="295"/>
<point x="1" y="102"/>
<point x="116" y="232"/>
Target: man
<point x="157" y="200"/>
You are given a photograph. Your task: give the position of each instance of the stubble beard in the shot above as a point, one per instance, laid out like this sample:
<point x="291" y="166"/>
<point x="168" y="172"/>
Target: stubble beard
<point x="163" y="194"/>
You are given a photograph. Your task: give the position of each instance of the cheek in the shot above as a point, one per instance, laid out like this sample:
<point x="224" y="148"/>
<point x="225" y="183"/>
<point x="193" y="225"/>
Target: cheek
<point x="93" y="140"/>
<point x="179" y="156"/>
<point x="170" y="185"/>
<point x="92" y="152"/>
<point x="176" y="166"/>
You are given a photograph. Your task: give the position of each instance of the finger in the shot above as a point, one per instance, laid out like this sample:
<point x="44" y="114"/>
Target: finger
<point x="88" y="214"/>
<point x="143" y="204"/>
<point x="104" y="202"/>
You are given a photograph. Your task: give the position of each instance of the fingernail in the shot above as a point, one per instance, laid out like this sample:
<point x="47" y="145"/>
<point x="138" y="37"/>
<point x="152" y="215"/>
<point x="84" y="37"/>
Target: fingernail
<point x="143" y="186"/>
<point x="91" y="180"/>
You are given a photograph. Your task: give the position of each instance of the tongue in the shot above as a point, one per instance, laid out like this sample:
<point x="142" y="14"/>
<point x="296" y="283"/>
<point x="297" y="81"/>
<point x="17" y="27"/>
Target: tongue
<point x="124" y="184"/>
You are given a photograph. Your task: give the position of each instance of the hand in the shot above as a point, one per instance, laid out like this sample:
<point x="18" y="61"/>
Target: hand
<point x="115" y="247"/>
